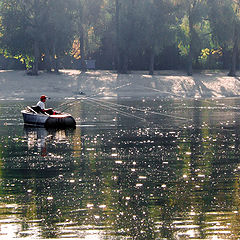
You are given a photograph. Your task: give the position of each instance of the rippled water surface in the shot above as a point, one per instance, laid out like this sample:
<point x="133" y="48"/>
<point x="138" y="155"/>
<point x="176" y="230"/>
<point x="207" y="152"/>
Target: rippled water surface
<point x="132" y="169"/>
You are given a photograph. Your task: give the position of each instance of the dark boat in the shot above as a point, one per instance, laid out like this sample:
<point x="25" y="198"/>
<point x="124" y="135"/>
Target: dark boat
<point x="58" y="120"/>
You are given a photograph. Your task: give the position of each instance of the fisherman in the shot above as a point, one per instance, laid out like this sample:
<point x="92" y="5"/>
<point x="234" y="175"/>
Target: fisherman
<point x="41" y="106"/>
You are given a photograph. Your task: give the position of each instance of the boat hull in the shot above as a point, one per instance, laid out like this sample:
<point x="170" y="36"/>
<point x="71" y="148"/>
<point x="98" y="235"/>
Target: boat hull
<point x="48" y="121"/>
<point x="60" y="121"/>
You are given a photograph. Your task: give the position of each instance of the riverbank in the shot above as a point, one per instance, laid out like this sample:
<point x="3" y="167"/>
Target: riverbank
<point x="70" y="83"/>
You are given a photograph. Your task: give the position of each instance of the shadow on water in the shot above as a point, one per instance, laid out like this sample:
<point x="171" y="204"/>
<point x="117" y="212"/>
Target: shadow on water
<point x="139" y="175"/>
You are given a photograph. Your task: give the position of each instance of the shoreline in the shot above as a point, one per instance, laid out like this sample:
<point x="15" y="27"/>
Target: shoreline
<point x="103" y="83"/>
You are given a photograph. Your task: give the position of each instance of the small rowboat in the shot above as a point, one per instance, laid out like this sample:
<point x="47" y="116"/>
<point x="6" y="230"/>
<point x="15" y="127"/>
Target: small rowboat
<point x="59" y="120"/>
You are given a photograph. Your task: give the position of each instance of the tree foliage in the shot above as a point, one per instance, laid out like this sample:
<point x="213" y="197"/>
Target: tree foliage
<point x="35" y="29"/>
<point x="121" y="34"/>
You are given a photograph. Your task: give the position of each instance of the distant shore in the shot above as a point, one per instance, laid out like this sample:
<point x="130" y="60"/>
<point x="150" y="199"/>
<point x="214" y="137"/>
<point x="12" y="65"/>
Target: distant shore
<point x="71" y="83"/>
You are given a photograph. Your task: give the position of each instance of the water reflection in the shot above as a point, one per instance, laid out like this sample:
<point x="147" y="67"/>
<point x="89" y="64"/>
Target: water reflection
<point x="127" y="179"/>
<point x="40" y="137"/>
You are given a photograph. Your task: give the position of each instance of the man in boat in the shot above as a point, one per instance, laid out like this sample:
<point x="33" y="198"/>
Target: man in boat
<point x="41" y="106"/>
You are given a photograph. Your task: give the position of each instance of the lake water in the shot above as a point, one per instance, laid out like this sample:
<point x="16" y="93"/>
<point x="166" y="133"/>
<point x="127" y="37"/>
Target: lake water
<point x="134" y="168"/>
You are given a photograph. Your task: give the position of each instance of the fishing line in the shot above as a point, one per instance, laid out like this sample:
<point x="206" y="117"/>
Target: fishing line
<point x="92" y="95"/>
<point x="177" y="95"/>
<point x="140" y="110"/>
<point x="157" y="90"/>
<point x="67" y="104"/>
<point x="153" y="89"/>
<point x="71" y="103"/>
<point x="100" y="104"/>
<point x="115" y="109"/>
<point x="221" y="106"/>
<point x="103" y="104"/>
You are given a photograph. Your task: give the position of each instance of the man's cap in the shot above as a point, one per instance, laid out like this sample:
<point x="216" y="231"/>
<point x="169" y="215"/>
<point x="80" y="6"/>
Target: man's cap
<point x="43" y="97"/>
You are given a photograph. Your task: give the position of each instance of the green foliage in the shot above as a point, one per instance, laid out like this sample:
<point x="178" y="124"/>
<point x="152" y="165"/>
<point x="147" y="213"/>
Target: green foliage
<point x="193" y="29"/>
<point x="221" y="16"/>
<point x="205" y="53"/>
<point x="209" y="58"/>
<point x="26" y="60"/>
<point x="182" y="37"/>
<point x="142" y="26"/>
<point x="25" y="22"/>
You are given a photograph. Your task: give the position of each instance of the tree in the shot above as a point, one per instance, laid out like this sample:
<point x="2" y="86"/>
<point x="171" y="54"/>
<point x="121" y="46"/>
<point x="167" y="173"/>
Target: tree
<point x="86" y="16"/>
<point x="58" y="35"/>
<point x="189" y="41"/>
<point x="126" y="32"/>
<point x="118" y="34"/>
<point x="36" y="28"/>
<point x="236" y="37"/>
<point x="224" y="20"/>
<point x="157" y="27"/>
<point x="15" y="41"/>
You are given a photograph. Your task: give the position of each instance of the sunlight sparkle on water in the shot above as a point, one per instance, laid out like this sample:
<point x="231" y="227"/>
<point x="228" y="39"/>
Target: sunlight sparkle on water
<point x="93" y="237"/>
<point x="153" y="178"/>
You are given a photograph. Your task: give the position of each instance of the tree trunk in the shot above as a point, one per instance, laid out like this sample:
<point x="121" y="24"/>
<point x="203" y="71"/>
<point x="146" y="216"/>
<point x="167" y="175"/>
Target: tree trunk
<point x="151" y="65"/>
<point x="82" y="50"/>
<point x="47" y="60"/>
<point x="125" y="63"/>
<point x="190" y="54"/>
<point x="232" y="71"/>
<point x="36" y="57"/>
<point x="56" y="65"/>
<point x="118" y="65"/>
<point x="189" y="64"/>
<point x="55" y="60"/>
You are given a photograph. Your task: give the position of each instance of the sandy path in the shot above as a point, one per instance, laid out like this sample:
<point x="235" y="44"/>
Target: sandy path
<point x="16" y="84"/>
